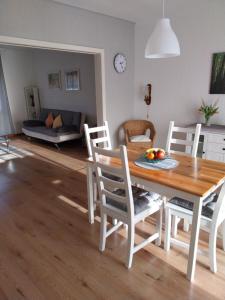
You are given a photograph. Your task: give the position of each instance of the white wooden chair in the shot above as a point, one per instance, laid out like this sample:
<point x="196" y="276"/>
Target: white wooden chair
<point x="122" y="201"/>
<point x="101" y="136"/>
<point x="213" y="215"/>
<point x="191" y="148"/>
<point x="102" y="133"/>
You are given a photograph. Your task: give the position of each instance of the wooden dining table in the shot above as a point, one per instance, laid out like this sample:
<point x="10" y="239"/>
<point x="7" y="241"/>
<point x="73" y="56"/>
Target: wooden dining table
<point x="193" y="179"/>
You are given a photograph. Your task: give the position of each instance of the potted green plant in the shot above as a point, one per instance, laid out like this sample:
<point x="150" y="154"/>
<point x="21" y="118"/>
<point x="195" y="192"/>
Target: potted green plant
<point x="209" y="110"/>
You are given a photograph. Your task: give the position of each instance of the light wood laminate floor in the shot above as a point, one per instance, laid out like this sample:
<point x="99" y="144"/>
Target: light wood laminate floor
<point x="48" y="250"/>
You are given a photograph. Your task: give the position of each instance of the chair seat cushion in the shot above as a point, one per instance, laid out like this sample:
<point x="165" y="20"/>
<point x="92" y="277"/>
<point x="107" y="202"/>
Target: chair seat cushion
<point x="207" y="207"/>
<point x="139" y="138"/>
<point x="142" y="199"/>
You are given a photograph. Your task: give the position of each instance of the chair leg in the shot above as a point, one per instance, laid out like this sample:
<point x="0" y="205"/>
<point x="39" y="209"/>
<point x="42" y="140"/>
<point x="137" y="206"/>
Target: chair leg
<point x="223" y="233"/>
<point x="103" y="232"/>
<point x="175" y="221"/>
<point x="95" y="192"/>
<point x="167" y="229"/>
<point x="212" y="250"/>
<point x="130" y="242"/>
<point x="90" y="188"/>
<point x="159" y="226"/>
<point x="186" y="226"/>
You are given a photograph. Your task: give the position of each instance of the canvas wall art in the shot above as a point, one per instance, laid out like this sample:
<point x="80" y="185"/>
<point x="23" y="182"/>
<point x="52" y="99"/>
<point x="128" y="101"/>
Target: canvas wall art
<point x="217" y="85"/>
<point x="54" y="80"/>
<point x="72" y="80"/>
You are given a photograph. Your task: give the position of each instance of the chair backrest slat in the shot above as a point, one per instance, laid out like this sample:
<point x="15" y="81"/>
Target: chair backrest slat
<point x="190" y="144"/>
<point x="96" y="129"/>
<point x="109" y="169"/>
<point x="183" y="129"/>
<point x="181" y="142"/>
<point x="107" y="152"/>
<point x="102" y="133"/>
<point x="115" y="197"/>
<point x="112" y="183"/>
<point x="104" y="166"/>
<point x="177" y="152"/>
<point x="101" y="140"/>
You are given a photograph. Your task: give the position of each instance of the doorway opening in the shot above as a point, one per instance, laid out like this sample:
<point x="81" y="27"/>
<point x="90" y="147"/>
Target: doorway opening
<point x="52" y="83"/>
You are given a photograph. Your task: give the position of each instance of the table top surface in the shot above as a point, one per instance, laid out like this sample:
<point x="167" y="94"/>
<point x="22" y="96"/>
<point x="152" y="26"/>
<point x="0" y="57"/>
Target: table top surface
<point x="195" y="176"/>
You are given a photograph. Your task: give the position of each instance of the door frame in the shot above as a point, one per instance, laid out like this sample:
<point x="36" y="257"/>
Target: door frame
<point x="99" y="59"/>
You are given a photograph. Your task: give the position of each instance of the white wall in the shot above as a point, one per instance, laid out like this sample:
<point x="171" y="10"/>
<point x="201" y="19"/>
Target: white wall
<point x="18" y="72"/>
<point x="179" y="83"/>
<point x="49" y="21"/>
<point x="46" y="62"/>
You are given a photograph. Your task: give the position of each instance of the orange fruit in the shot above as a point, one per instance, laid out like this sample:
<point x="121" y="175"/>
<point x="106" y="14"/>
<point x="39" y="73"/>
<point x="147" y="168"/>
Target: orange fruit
<point x="150" y="155"/>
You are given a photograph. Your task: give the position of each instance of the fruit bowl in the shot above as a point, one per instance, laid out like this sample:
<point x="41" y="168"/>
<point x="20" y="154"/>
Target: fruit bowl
<point x="154" y="155"/>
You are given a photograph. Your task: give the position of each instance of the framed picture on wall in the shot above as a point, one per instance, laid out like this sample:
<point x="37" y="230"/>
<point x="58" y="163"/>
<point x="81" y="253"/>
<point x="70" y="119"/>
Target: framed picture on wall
<point x="217" y="85"/>
<point x="72" y="80"/>
<point x="54" y="80"/>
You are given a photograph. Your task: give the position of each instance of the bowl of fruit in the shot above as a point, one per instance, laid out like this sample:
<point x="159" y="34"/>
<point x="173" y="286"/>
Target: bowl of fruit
<point x="154" y="155"/>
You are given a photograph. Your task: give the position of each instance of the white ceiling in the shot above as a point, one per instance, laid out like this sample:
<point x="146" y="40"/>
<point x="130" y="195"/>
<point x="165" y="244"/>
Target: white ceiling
<point x="140" y="11"/>
<point x="131" y="10"/>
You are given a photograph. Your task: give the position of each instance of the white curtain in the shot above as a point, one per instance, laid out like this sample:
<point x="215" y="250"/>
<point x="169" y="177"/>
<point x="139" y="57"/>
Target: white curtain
<point x="6" y="126"/>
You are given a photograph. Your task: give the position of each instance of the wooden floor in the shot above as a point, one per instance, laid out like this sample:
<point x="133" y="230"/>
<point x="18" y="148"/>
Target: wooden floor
<point x="48" y="250"/>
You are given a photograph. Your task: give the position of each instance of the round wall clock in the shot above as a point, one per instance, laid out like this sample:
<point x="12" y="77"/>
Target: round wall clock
<point x="120" y="62"/>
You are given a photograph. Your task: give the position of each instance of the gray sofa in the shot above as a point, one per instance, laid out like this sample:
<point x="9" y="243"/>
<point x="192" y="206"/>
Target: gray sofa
<point x="72" y="126"/>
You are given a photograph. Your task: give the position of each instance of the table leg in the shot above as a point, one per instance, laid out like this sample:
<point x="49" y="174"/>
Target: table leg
<point x="90" y="188"/>
<point x="194" y="239"/>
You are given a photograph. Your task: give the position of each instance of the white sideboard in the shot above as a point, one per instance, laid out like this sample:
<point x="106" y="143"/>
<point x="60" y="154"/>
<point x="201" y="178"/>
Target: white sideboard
<point x="212" y="142"/>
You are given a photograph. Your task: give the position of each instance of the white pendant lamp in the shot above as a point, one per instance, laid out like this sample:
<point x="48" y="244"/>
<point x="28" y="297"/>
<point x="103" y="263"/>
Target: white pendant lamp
<point x="163" y="41"/>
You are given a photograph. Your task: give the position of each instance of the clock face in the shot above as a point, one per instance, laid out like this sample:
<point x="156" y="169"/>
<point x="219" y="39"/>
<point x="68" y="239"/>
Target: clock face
<point x="120" y="63"/>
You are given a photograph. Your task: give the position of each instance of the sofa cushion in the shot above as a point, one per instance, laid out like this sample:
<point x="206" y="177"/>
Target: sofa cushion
<point x="76" y="120"/>
<point x="43" y="114"/>
<point x="54" y="132"/>
<point x="32" y="123"/>
<point x="64" y="128"/>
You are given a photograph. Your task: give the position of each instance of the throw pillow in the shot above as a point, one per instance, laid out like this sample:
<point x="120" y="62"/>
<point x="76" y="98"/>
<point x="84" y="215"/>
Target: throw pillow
<point x="148" y="132"/>
<point x="49" y="121"/>
<point x="139" y="138"/>
<point x="57" y="122"/>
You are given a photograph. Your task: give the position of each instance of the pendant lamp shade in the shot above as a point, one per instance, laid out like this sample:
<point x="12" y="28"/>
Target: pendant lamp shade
<point x="163" y="41"/>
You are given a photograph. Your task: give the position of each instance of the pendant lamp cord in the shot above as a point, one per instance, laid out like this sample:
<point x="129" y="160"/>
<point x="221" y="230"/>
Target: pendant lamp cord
<point x="163" y="8"/>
